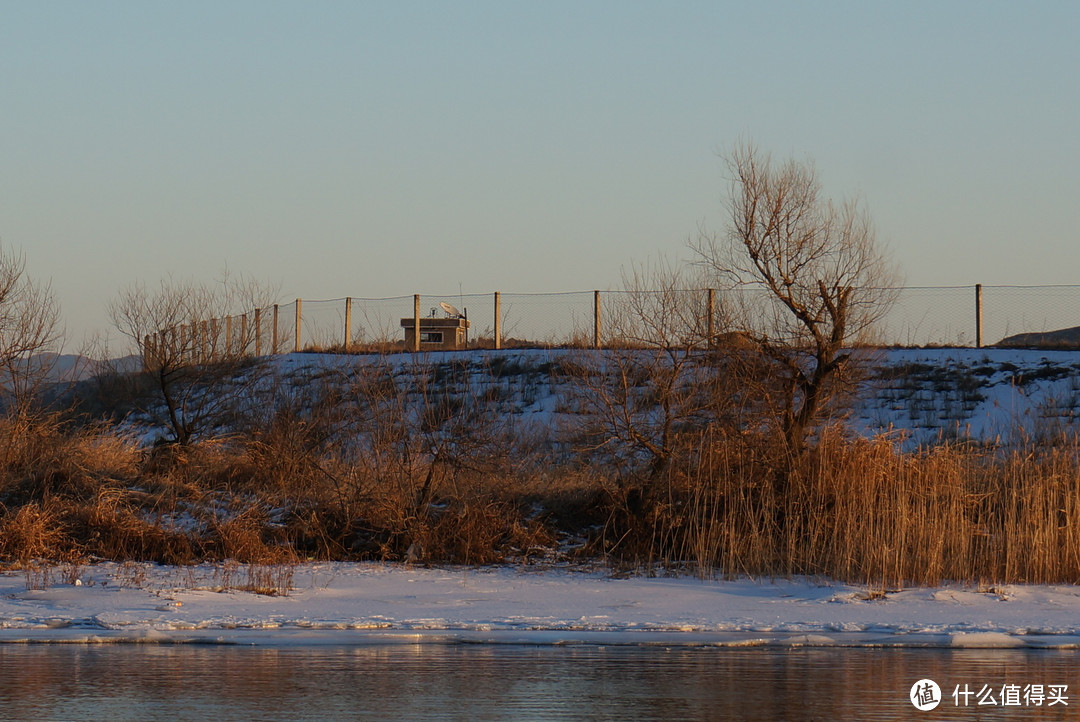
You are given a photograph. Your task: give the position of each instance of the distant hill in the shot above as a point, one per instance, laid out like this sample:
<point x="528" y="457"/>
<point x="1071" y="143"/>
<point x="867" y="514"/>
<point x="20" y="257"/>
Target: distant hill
<point x="65" y="368"/>
<point x="1064" y="339"/>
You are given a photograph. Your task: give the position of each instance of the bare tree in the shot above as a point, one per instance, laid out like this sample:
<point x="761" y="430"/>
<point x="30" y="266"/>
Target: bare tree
<point x="665" y="374"/>
<point x="192" y="338"/>
<point x="638" y="391"/>
<point x="810" y="275"/>
<point x="29" y="326"/>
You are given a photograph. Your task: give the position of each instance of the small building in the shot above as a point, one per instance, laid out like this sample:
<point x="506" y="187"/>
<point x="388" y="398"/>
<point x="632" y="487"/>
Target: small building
<point x="438" y="334"/>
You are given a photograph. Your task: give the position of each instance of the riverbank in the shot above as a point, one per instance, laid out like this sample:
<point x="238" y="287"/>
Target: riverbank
<point x="378" y="603"/>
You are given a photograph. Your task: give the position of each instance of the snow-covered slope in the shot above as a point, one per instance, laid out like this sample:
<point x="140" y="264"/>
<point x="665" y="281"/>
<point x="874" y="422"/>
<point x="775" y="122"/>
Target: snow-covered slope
<point x="980" y="394"/>
<point x="925" y="395"/>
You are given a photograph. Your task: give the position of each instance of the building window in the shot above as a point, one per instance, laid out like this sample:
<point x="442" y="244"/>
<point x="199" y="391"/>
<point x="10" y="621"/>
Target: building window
<point x="431" y="337"/>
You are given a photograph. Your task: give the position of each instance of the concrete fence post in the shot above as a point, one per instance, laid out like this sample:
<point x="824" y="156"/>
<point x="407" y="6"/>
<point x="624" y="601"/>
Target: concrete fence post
<point x="299" y="315"/>
<point x="710" y="328"/>
<point x="243" y="347"/>
<point x="274" y="332"/>
<point x="596" y="319"/>
<point x="228" y="336"/>
<point x="978" y="316"/>
<point x="258" y="332"/>
<point x="498" y="321"/>
<point x="202" y="333"/>
<point x="348" y="323"/>
<point x="416" y="322"/>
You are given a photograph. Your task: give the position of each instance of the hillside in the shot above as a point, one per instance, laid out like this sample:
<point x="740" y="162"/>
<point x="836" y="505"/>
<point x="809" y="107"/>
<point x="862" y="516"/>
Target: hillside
<point x="981" y="394"/>
<point x="922" y="395"/>
<point x="484" y="456"/>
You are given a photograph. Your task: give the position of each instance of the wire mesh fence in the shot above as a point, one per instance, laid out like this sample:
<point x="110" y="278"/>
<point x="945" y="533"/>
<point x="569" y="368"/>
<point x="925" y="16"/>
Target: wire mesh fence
<point x="941" y="316"/>
<point x="554" y="319"/>
<point x="920" y="316"/>
<point x="1013" y="310"/>
<point x="979" y="315"/>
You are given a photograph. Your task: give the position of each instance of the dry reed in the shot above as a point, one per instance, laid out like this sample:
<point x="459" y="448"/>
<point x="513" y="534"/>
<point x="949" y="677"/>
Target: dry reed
<point x="374" y="469"/>
<point x="863" y="510"/>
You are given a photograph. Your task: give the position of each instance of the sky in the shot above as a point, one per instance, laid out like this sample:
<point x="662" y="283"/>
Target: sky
<point x="376" y="149"/>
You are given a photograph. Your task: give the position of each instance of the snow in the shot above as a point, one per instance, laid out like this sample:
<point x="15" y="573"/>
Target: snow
<point x="382" y="603"/>
<point x="988" y="394"/>
<point x="922" y="394"/>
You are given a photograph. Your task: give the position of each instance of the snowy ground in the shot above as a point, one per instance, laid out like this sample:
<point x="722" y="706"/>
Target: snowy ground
<point x="373" y="603"/>
<point x="992" y="395"/>
<point x="923" y="394"/>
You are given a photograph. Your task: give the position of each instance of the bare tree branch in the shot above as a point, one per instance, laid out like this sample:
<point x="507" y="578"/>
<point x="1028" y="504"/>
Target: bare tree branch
<point x="29" y="326"/>
<point x="190" y="346"/>
<point x="811" y="279"/>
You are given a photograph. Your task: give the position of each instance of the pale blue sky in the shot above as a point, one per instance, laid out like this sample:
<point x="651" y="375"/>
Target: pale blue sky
<point x="382" y="149"/>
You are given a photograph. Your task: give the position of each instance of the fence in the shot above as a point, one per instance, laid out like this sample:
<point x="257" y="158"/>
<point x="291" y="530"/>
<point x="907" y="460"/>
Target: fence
<point x="978" y="315"/>
<point x="933" y="315"/>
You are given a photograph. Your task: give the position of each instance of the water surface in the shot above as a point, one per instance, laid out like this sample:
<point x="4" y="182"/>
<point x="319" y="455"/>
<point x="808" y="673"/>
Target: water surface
<point x="487" y="682"/>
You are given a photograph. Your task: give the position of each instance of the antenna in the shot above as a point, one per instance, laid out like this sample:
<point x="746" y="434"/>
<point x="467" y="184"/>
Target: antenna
<point x="451" y="312"/>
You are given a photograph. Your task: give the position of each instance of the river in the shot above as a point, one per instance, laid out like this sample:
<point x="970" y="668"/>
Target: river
<point x="110" y="682"/>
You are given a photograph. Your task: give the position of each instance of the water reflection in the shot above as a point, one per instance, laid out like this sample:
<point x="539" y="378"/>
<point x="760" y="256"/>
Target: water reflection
<point x="478" y="682"/>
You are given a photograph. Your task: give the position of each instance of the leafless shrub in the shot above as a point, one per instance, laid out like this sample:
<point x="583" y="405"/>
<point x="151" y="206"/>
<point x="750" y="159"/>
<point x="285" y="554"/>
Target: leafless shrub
<point x="131" y="575"/>
<point x="270" y="579"/>
<point x="194" y="346"/>
<point x="651" y="383"/>
<point x="225" y="574"/>
<point x="38" y="574"/>
<point x="71" y="573"/>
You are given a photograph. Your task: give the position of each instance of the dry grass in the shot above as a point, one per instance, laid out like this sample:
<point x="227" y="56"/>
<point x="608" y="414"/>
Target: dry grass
<point x="32" y="532"/>
<point x="454" y="484"/>
<point x="865" y="511"/>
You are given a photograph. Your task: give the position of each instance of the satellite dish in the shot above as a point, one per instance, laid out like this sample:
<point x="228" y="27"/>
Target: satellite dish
<point x="450" y="310"/>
